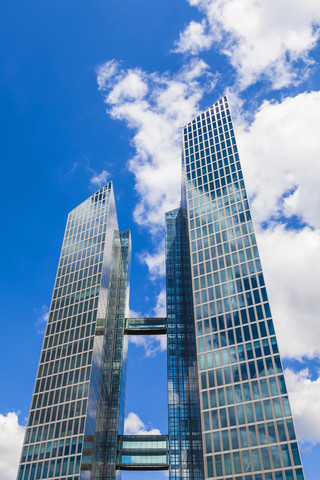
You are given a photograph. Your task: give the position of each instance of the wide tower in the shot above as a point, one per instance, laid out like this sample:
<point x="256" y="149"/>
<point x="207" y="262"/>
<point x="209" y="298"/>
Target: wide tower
<point x="246" y="421"/>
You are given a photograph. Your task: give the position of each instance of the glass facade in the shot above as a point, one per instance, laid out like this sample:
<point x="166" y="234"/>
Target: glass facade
<point x="78" y="382"/>
<point x="247" y="428"/>
<point x="185" y="447"/>
<point x="228" y="410"/>
<point x="112" y="379"/>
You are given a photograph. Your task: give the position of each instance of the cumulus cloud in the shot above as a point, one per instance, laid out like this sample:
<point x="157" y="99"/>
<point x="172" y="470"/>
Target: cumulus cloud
<point x="99" y="179"/>
<point x="155" y="262"/>
<point x="11" y="439"/>
<point x="160" y="309"/>
<point x="133" y="425"/>
<point x="194" y="38"/>
<point x="152" y="344"/>
<point x="290" y="259"/>
<point x="305" y="403"/>
<point x="155" y="107"/>
<point x="269" y="39"/>
<point x="280" y="158"/>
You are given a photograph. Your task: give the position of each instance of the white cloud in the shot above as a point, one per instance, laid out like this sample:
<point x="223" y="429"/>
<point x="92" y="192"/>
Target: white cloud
<point x="261" y="38"/>
<point x="155" y="106"/>
<point x="134" y="314"/>
<point x="280" y="158"/>
<point x="42" y="318"/>
<point x="280" y="161"/>
<point x="131" y="87"/>
<point x="305" y="403"/>
<point x="160" y="309"/>
<point x="133" y="425"/>
<point x="194" y="38"/>
<point x="105" y="72"/>
<point x="155" y="261"/>
<point x="11" y="439"/>
<point x="290" y="260"/>
<point x="96" y="179"/>
<point x="152" y="344"/>
<point x="99" y="179"/>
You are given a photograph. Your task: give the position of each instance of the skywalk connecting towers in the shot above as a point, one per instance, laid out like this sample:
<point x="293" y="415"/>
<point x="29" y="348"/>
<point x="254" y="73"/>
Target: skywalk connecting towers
<point x="228" y="410"/>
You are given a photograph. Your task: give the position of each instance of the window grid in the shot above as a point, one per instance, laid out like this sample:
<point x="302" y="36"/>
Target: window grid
<point x="244" y="403"/>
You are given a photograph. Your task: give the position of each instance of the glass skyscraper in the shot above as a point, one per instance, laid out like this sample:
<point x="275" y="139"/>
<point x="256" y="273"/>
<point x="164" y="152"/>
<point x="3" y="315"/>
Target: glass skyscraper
<point x="80" y="382"/>
<point x="246" y="423"/>
<point x="228" y="410"/>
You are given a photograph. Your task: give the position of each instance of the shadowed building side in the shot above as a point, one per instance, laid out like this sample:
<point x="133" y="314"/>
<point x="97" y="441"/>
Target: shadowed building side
<point x="185" y="446"/>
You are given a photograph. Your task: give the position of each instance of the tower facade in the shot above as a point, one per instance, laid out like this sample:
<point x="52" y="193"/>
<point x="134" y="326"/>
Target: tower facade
<point x="246" y="422"/>
<point x="228" y="410"/>
<point x="80" y="382"/>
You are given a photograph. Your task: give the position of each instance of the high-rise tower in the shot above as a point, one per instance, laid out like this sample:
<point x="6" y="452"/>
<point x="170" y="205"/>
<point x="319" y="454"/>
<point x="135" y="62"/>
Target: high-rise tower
<point x="246" y="422"/>
<point x="228" y="410"/>
<point x="81" y="376"/>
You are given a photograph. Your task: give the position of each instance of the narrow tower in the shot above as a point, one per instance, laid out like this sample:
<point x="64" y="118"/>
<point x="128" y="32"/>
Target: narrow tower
<point x="77" y="406"/>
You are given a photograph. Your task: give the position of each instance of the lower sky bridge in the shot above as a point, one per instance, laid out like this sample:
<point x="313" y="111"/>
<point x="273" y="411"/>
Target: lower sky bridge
<point x="143" y="452"/>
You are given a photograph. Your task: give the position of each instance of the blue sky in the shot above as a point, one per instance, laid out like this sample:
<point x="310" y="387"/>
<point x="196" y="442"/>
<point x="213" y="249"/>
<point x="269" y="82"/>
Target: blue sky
<point x="93" y="91"/>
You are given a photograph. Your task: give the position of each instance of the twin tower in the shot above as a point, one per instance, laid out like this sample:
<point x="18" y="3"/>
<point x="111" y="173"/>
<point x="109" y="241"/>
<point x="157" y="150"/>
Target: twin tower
<point x="228" y="411"/>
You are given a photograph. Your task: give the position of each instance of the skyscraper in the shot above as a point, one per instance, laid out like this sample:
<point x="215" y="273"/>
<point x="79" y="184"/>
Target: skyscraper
<point x="228" y="410"/>
<point x="246" y="423"/>
<point x="81" y="376"/>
